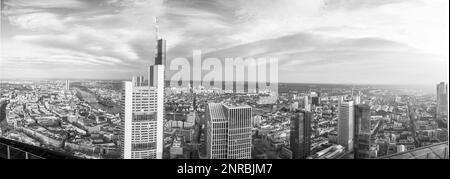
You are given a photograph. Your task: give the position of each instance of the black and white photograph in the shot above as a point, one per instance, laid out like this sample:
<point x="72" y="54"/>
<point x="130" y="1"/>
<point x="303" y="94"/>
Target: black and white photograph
<point x="224" y="80"/>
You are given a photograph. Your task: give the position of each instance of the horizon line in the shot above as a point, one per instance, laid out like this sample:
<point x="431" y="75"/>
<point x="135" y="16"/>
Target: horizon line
<point x="316" y="83"/>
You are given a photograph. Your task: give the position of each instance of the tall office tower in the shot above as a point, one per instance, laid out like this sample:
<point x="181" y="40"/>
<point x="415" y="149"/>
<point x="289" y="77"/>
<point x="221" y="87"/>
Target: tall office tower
<point x="300" y="137"/>
<point x="362" y="131"/>
<point x="315" y="100"/>
<point x="160" y="52"/>
<point x="3" y="104"/>
<point x="3" y="113"/>
<point x="160" y="58"/>
<point x="362" y="118"/>
<point x="67" y="84"/>
<point x="442" y="99"/>
<point x="229" y="131"/>
<point x="357" y="99"/>
<point x="306" y="103"/>
<point x="346" y="124"/>
<point x="143" y="111"/>
<point x="142" y="116"/>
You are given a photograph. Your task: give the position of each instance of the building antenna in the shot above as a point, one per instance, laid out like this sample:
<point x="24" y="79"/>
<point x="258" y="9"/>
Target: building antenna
<point x="156" y="38"/>
<point x="156" y="28"/>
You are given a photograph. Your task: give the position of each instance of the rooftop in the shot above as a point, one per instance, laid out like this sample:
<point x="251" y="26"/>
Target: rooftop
<point x="235" y="105"/>
<point x="435" y="151"/>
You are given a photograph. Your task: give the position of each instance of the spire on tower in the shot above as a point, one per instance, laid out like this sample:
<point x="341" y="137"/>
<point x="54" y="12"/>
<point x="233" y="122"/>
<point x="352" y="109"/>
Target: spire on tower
<point x="156" y="28"/>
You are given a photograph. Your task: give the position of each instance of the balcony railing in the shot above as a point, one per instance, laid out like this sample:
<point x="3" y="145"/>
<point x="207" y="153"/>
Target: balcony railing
<point x="9" y="152"/>
<point x="10" y="149"/>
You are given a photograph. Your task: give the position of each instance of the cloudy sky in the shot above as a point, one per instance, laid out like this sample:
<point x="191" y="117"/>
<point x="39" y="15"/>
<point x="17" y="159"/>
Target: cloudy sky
<point x="318" y="41"/>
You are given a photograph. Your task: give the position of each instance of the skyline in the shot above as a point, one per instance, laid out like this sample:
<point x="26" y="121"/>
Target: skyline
<point x="329" y="41"/>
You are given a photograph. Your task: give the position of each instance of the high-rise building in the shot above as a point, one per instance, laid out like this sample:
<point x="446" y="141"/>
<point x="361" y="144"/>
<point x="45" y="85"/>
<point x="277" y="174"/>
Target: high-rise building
<point x="160" y="52"/>
<point x="357" y="99"/>
<point x="142" y="116"/>
<point x="229" y="131"/>
<point x="442" y="99"/>
<point x="362" y="118"/>
<point x="217" y="132"/>
<point x="67" y="84"/>
<point x="300" y="137"/>
<point x="315" y="100"/>
<point x="346" y="124"/>
<point x="3" y="123"/>
<point x="294" y="106"/>
<point x="362" y="133"/>
<point x="307" y="105"/>
<point x="3" y="104"/>
<point x="160" y="57"/>
<point x="142" y="113"/>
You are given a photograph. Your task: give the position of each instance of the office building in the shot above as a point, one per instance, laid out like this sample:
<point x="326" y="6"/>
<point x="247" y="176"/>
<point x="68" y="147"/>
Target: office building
<point x="362" y="118"/>
<point x="442" y="99"/>
<point x="363" y="146"/>
<point x="67" y="84"/>
<point x="3" y="104"/>
<point x="160" y="57"/>
<point x="229" y="131"/>
<point x="362" y="133"/>
<point x="3" y="123"/>
<point x="357" y="99"/>
<point x="346" y="124"/>
<point x="315" y="100"/>
<point x="300" y="134"/>
<point x="142" y="115"/>
<point x="307" y="105"/>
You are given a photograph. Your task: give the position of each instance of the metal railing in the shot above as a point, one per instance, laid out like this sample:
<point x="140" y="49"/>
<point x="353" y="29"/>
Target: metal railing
<point x="10" y="152"/>
<point x="11" y="149"/>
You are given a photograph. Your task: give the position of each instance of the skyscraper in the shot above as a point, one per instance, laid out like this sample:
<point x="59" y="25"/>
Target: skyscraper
<point x="3" y="104"/>
<point x="143" y="111"/>
<point x="160" y="57"/>
<point x="442" y="99"/>
<point x="357" y="99"/>
<point x="142" y="116"/>
<point x="67" y="84"/>
<point x="315" y="100"/>
<point x="362" y="131"/>
<point x="306" y="103"/>
<point x="229" y="130"/>
<point x="346" y="124"/>
<point x="362" y="118"/>
<point x="160" y="52"/>
<point x="300" y="137"/>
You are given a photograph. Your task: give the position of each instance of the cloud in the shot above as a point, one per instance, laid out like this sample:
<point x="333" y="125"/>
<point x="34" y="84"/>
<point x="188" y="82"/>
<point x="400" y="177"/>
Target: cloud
<point x="316" y="35"/>
<point x="312" y="58"/>
<point x="107" y="37"/>
<point x="359" y="4"/>
<point x="45" y="4"/>
<point x="46" y="22"/>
